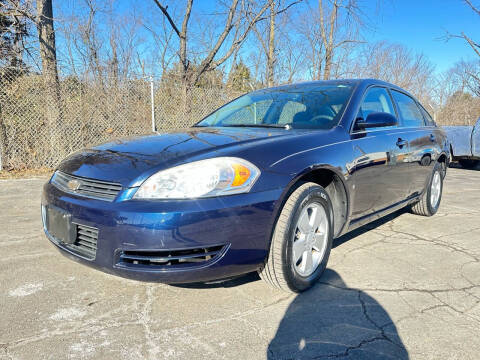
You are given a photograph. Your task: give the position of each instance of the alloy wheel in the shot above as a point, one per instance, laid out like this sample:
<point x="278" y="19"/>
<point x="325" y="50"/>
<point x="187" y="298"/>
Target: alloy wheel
<point x="310" y="239"/>
<point x="435" y="189"/>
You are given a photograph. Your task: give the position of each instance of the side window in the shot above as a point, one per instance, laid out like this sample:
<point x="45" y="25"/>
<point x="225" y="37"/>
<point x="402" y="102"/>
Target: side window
<point x="408" y="109"/>
<point x="428" y="119"/>
<point x="290" y="109"/>
<point x="376" y="100"/>
<point x="252" y="114"/>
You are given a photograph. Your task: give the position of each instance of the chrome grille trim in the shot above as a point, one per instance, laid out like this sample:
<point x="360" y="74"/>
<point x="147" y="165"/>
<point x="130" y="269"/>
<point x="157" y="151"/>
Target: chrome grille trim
<point x="91" y="188"/>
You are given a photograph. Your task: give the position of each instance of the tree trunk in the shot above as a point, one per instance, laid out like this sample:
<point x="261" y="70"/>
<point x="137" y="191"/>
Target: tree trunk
<point x="328" y="35"/>
<point x="114" y="65"/>
<point x="17" y="55"/>
<point x="48" y="53"/>
<point x="328" y="65"/>
<point x="186" y="98"/>
<point x="271" y="47"/>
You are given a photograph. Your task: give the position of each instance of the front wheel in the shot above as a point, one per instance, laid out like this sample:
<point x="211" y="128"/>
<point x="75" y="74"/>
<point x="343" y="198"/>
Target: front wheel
<point x="301" y="241"/>
<point x="430" y="202"/>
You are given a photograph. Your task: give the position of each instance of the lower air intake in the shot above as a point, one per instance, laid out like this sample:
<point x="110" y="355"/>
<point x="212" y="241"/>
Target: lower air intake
<point x="170" y="258"/>
<point x="85" y="243"/>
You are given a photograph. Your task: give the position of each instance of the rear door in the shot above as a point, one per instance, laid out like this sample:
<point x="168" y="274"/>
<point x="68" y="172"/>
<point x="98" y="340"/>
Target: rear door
<point x="422" y="139"/>
<point x="378" y="166"/>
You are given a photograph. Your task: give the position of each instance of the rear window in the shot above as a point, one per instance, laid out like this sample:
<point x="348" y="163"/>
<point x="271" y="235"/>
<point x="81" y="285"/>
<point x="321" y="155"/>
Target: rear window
<point x="408" y="109"/>
<point x="428" y="119"/>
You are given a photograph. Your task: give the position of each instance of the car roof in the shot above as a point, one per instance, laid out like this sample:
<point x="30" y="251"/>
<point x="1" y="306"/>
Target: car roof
<point x="351" y="82"/>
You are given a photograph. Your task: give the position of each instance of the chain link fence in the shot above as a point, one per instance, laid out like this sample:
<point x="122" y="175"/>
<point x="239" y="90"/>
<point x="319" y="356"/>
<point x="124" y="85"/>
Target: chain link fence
<point x="91" y="111"/>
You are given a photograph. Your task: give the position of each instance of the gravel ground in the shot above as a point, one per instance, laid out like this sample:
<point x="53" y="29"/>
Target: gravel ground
<point x="402" y="287"/>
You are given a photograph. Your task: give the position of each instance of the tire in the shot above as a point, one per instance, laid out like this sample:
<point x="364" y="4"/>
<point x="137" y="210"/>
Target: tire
<point x="432" y="196"/>
<point x="308" y="204"/>
<point x="469" y="164"/>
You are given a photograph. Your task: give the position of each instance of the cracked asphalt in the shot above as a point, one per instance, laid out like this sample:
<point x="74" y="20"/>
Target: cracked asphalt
<point x="402" y="287"/>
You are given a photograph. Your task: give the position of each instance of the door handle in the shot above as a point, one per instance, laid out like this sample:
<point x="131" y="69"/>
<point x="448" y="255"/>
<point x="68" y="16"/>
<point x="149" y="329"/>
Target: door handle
<point x="432" y="138"/>
<point x="401" y="143"/>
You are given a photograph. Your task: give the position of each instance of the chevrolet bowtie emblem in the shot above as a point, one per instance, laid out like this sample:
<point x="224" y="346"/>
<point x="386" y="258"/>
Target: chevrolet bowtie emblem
<point x="73" y="185"/>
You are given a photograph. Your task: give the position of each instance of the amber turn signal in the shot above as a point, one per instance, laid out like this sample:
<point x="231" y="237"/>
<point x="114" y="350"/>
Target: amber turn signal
<point x="242" y="174"/>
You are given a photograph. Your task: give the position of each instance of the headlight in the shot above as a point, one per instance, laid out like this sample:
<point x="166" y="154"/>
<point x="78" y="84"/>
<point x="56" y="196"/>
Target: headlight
<point x="204" y="178"/>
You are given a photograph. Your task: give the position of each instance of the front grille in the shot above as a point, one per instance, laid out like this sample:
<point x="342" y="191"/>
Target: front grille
<point x="91" y="188"/>
<point x="85" y="242"/>
<point x="170" y="258"/>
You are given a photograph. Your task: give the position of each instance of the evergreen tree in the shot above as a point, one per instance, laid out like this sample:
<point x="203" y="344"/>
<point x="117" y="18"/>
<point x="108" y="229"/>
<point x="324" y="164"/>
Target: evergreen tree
<point x="239" y="79"/>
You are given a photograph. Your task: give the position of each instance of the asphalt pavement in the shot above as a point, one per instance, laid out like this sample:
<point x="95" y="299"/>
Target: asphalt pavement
<point x="402" y="287"/>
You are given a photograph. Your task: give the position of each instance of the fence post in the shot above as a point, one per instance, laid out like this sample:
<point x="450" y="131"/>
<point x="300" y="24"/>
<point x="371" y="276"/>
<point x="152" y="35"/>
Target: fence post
<point x="152" y="101"/>
<point x="3" y="140"/>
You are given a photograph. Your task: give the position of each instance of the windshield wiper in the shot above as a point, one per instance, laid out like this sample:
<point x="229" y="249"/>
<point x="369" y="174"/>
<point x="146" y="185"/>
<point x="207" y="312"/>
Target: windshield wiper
<point x="279" y="126"/>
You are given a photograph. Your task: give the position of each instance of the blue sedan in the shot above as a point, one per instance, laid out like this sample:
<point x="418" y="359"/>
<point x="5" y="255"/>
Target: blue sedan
<point x="264" y="183"/>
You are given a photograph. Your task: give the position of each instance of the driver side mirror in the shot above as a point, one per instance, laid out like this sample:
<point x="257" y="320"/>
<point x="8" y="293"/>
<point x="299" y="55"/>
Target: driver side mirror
<point x="376" y="119"/>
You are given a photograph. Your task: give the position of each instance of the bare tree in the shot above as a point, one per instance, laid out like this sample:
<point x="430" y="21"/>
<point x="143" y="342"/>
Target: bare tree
<point x="100" y="42"/>
<point x="14" y="31"/>
<point x="397" y="64"/>
<point x="291" y="59"/>
<point x="472" y="43"/>
<point x="239" y="22"/>
<point x="268" y="38"/>
<point x="91" y="42"/>
<point x="329" y="26"/>
<point x="43" y="19"/>
<point x="329" y="29"/>
<point x="271" y="45"/>
<point x="460" y="108"/>
<point x="163" y="53"/>
<point x="467" y="74"/>
<point x="48" y="54"/>
<point x="455" y="94"/>
<point x="310" y="31"/>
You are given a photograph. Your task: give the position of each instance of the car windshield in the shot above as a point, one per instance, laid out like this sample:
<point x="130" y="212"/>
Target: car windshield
<point x="306" y="107"/>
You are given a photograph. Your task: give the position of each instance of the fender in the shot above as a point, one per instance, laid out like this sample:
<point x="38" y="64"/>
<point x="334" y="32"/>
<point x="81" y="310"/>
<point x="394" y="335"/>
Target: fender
<point x="290" y="187"/>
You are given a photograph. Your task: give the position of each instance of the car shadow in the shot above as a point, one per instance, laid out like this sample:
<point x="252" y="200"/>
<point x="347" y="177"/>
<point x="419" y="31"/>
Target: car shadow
<point x="222" y="283"/>
<point x="332" y="320"/>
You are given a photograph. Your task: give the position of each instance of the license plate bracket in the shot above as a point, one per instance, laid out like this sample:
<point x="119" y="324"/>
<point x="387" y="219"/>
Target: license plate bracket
<point x="60" y="226"/>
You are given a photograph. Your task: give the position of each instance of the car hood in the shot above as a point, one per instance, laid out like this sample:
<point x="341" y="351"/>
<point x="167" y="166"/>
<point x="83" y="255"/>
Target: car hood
<point x="129" y="161"/>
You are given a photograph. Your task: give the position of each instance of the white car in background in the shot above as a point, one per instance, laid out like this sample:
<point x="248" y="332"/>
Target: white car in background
<point x="465" y="144"/>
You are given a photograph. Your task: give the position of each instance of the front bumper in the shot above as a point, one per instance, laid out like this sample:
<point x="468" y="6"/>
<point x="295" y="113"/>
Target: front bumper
<point x="239" y="224"/>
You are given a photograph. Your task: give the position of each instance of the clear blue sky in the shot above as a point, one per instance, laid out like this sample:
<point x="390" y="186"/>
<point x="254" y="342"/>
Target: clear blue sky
<point x="419" y="25"/>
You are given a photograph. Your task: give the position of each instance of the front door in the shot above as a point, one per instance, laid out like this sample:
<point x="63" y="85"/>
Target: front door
<point x="378" y="169"/>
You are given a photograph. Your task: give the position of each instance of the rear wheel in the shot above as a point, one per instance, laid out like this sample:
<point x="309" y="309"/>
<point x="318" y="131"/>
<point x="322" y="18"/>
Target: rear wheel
<point x="301" y="241"/>
<point x="430" y="201"/>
